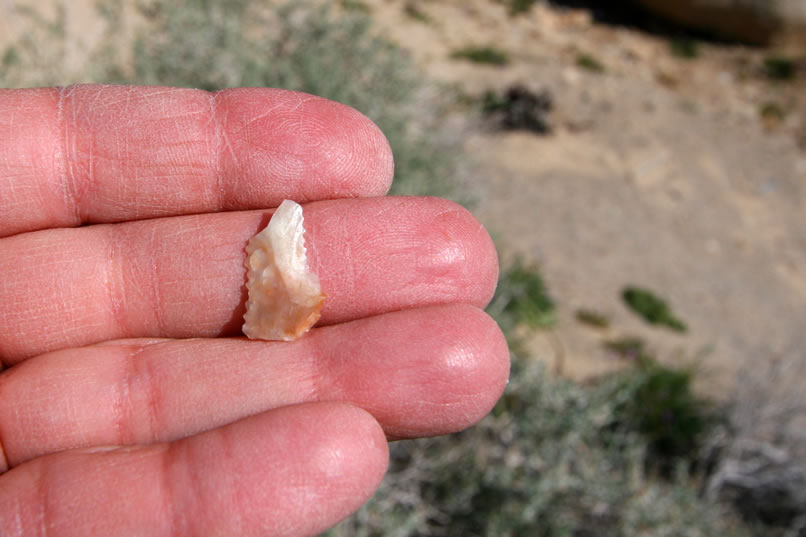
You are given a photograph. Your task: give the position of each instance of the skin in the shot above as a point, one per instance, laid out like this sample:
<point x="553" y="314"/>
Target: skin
<point x="130" y="404"/>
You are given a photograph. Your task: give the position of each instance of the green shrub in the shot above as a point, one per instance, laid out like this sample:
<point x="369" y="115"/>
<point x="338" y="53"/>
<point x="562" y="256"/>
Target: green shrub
<point x="592" y="318"/>
<point x="484" y="55"/>
<point x="413" y="10"/>
<point x="10" y="58"/>
<point x="356" y="5"/>
<point x="771" y="111"/>
<point x="630" y="348"/>
<point x="38" y="56"/>
<point x="685" y="47"/>
<point x="779" y="68"/>
<point x="517" y="7"/>
<point x="659" y="402"/>
<point x="589" y="63"/>
<point x="522" y="298"/>
<point x="519" y="108"/>
<point x="651" y="308"/>
<point x="546" y="462"/>
<point x="666" y="411"/>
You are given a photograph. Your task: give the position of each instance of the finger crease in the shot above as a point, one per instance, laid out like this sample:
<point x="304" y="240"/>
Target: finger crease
<point x="67" y="158"/>
<point x="175" y="515"/>
<point x="137" y="423"/>
<point x="221" y="144"/>
<point x="156" y="291"/>
<point x="114" y="290"/>
<point x="3" y="460"/>
<point x="145" y="370"/>
<point x="43" y="494"/>
<point x="4" y="464"/>
<point x="322" y="371"/>
<point x="123" y="402"/>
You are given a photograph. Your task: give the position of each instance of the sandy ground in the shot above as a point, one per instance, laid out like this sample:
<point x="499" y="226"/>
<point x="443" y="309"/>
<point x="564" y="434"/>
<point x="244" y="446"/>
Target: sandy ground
<point x="659" y="173"/>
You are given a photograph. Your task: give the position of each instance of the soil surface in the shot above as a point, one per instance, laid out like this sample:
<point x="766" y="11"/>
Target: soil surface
<point x="661" y="172"/>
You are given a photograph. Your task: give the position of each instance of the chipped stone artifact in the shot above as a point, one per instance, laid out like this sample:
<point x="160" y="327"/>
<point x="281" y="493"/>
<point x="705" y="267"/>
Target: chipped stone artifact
<point x="285" y="296"/>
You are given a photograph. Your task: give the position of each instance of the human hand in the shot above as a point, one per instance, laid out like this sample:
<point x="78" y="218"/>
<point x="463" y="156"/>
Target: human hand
<point x="114" y="422"/>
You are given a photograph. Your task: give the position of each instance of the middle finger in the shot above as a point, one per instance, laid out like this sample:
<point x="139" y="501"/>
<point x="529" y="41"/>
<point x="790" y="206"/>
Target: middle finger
<point x="184" y="277"/>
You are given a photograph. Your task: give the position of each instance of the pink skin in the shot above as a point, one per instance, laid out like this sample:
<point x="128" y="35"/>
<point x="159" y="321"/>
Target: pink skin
<point x="292" y="471"/>
<point x="116" y="153"/>
<point x="417" y="371"/>
<point x="218" y="436"/>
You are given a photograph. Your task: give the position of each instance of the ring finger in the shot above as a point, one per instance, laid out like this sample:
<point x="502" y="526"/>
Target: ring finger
<point x="418" y="372"/>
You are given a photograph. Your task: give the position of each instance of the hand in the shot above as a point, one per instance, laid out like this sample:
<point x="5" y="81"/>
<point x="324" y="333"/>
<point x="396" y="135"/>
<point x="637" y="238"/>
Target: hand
<point x="129" y="407"/>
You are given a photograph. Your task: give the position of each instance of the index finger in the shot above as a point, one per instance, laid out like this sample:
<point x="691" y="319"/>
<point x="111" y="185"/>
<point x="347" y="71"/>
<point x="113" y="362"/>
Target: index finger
<point x="92" y="153"/>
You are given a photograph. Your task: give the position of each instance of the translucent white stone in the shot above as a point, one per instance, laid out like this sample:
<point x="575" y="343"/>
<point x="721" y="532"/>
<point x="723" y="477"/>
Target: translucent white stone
<point x="285" y="296"/>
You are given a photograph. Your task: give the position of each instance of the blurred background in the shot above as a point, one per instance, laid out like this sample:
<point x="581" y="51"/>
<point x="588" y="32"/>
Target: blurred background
<point x="642" y="168"/>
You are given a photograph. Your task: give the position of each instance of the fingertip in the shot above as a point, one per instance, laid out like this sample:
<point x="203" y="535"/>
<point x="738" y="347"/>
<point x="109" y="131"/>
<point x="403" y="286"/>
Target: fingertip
<point x="432" y="371"/>
<point x="471" y="370"/>
<point x="368" y="154"/>
<point x="350" y="155"/>
<point x="335" y="456"/>
<point x="308" y="147"/>
<point x="492" y="360"/>
<point x="461" y="246"/>
<point x="359" y="439"/>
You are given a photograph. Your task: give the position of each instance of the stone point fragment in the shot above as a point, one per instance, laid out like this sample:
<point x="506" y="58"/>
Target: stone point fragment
<point x="285" y="296"/>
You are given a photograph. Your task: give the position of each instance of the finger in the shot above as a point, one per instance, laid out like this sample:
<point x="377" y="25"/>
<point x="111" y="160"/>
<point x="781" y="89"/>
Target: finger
<point x="419" y="372"/>
<point x="115" y="153"/>
<point x="184" y="276"/>
<point x="291" y="472"/>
